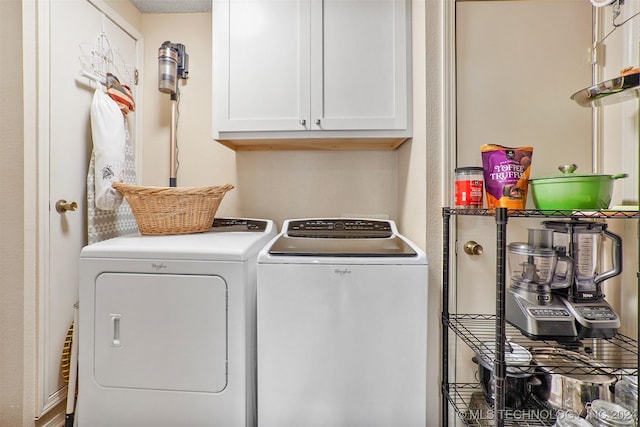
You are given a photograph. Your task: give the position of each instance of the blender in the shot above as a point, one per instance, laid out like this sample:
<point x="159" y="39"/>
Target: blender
<point x="537" y="269"/>
<point x="584" y="241"/>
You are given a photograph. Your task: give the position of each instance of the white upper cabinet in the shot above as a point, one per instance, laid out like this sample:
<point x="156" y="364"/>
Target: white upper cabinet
<point x="328" y="74"/>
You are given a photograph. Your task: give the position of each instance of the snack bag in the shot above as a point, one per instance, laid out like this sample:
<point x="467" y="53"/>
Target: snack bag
<point x="506" y="175"/>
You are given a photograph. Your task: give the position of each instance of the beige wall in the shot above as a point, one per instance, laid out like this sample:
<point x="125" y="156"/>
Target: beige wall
<point x="279" y="185"/>
<point x="408" y="182"/>
<point x="275" y="185"/>
<point x="201" y="162"/>
<point x="271" y="185"/>
<point x="405" y="184"/>
<point x="12" y="365"/>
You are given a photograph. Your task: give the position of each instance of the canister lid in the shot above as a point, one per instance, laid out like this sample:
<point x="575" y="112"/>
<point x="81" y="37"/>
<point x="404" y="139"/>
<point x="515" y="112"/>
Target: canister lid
<point x="470" y="169"/>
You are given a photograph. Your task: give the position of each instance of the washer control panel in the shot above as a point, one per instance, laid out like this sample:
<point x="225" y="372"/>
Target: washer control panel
<point x="340" y="228"/>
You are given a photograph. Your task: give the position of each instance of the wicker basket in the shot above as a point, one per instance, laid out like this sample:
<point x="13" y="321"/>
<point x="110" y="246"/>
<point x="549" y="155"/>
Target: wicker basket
<point x="173" y="210"/>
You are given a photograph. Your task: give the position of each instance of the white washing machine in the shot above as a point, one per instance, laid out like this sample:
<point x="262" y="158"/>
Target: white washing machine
<point x="342" y="326"/>
<point x="167" y="328"/>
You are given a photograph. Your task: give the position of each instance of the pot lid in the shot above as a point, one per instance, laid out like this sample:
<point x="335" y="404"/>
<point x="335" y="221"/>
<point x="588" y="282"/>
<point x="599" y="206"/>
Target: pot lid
<point x="610" y="414"/>
<point x="570" y="419"/>
<point x="568" y="172"/>
<point x="516" y="357"/>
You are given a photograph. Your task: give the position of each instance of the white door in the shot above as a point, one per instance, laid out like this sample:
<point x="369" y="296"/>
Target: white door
<point x="65" y="148"/>
<point x="516" y="70"/>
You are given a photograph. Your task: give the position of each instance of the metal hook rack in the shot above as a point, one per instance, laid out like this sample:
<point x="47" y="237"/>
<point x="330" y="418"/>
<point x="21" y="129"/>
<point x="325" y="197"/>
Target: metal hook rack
<point x="99" y="59"/>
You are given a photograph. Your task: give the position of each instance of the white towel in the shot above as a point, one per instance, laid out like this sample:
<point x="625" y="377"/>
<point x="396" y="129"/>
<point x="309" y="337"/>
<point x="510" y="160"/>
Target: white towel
<point x="109" y="139"/>
<point x="101" y="224"/>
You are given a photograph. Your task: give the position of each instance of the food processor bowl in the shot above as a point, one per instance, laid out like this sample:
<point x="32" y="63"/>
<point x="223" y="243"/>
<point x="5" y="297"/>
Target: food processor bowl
<point x="531" y="264"/>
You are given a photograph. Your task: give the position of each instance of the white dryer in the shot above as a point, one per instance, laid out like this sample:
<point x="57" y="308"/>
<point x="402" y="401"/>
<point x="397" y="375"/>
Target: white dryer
<point x="167" y="328"/>
<point x="342" y="326"/>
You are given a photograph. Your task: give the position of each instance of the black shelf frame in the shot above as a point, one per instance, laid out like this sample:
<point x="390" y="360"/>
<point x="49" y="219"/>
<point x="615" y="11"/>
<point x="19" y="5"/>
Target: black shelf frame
<point x="619" y="357"/>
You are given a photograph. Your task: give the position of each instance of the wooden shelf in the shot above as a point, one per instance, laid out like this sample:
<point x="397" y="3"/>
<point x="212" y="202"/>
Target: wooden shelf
<point x="314" y="144"/>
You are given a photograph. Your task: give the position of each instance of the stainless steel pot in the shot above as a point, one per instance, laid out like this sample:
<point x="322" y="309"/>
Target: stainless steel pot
<point x="563" y="382"/>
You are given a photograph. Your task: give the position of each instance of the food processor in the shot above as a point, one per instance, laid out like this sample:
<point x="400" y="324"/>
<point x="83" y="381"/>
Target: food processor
<point x="536" y="270"/>
<point x="584" y="241"/>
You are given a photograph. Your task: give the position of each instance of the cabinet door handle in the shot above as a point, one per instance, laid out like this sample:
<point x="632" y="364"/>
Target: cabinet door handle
<point x="317" y="121"/>
<point x="303" y="122"/>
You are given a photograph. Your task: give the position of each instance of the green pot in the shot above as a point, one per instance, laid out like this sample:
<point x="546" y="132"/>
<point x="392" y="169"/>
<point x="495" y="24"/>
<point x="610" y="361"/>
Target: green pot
<point x="570" y="191"/>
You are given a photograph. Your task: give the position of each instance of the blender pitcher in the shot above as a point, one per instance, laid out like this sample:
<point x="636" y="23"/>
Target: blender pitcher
<point x="583" y="241"/>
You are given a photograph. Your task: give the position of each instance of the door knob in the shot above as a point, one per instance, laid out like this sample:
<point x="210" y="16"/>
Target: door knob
<point x="62" y="206"/>
<point x="473" y="248"/>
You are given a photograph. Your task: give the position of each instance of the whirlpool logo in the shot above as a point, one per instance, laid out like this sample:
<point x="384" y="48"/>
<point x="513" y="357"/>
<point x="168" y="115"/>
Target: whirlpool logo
<point x="158" y="265"/>
<point x="342" y="271"/>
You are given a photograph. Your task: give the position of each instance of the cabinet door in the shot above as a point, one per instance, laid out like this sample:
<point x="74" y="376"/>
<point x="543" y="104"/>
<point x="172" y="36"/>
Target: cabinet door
<point x="359" y="64"/>
<point x="261" y="65"/>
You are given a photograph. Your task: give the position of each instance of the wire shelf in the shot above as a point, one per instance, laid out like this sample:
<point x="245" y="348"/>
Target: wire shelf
<point x="482" y="332"/>
<point x="469" y="404"/>
<point x="536" y="213"/>
<point x="615" y="356"/>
